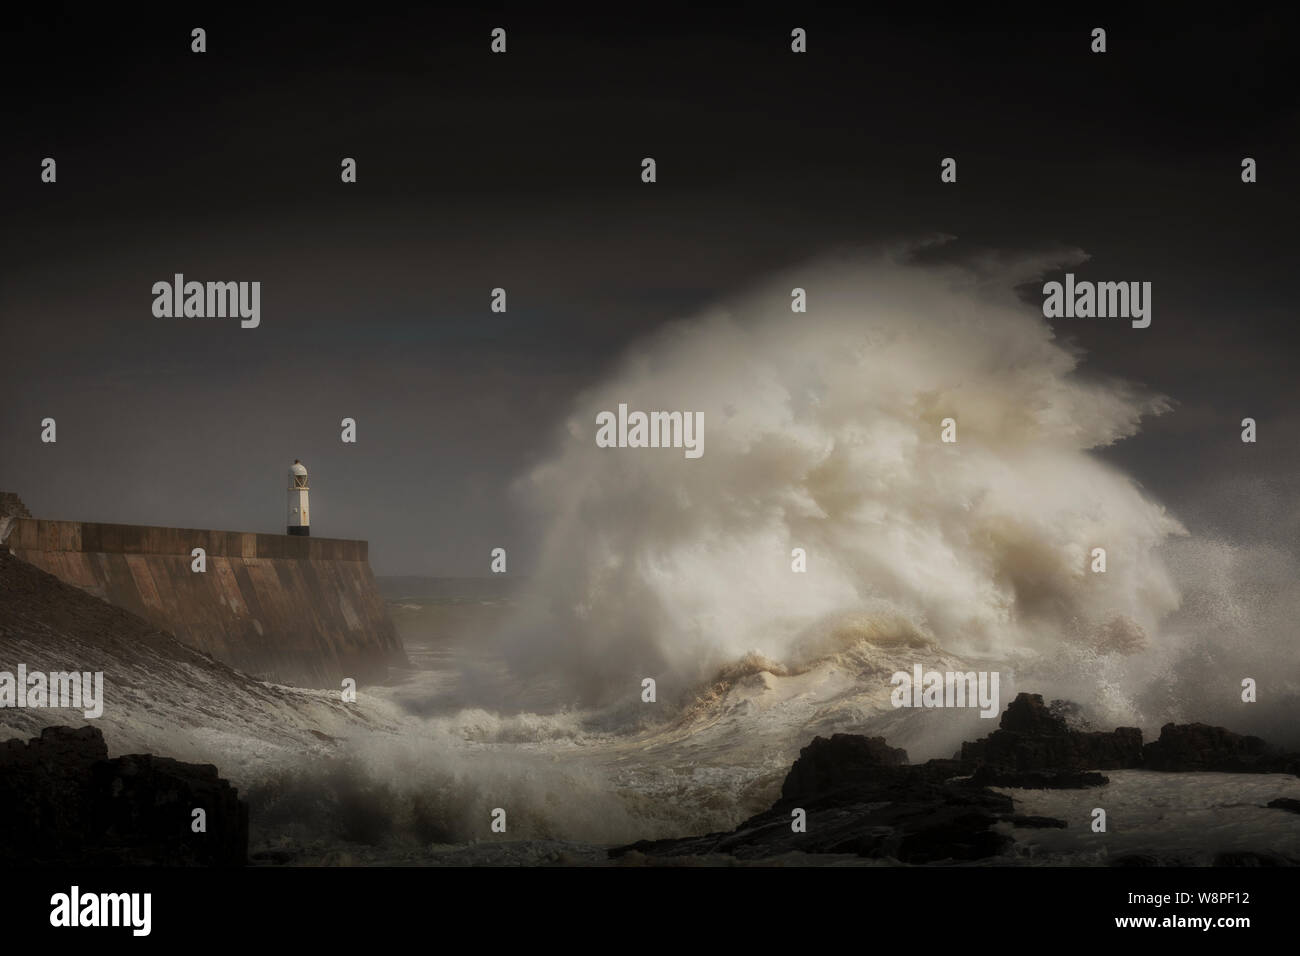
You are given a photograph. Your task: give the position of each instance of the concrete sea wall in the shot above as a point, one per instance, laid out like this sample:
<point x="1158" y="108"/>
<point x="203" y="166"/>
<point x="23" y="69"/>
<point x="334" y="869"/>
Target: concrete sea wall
<point x="289" y="609"/>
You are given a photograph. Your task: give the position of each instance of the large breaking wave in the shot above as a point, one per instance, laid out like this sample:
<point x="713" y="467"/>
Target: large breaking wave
<point x="822" y="432"/>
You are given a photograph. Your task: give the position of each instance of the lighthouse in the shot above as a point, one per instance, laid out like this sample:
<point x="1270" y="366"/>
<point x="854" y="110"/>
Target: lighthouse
<point x="298" y="523"/>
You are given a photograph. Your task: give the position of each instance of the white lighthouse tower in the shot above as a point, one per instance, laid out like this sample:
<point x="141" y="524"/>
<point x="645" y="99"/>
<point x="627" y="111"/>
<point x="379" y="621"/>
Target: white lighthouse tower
<point x="298" y="523"/>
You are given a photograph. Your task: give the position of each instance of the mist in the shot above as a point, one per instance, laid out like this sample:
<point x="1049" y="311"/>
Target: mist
<point x="823" y="433"/>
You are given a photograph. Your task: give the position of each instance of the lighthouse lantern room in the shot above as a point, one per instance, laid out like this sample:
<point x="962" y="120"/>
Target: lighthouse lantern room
<point x="298" y="523"/>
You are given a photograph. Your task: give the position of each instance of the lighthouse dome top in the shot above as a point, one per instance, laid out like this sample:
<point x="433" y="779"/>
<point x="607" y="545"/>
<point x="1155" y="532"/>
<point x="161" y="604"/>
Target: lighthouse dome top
<point x="297" y="468"/>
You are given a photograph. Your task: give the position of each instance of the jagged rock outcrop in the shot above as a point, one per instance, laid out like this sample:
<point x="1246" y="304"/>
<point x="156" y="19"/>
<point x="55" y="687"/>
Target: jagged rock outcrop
<point x="64" y="802"/>
<point x="862" y="796"/>
<point x="1031" y="737"/>
<point x="825" y="766"/>
<point x="11" y="506"/>
<point x="1202" y="747"/>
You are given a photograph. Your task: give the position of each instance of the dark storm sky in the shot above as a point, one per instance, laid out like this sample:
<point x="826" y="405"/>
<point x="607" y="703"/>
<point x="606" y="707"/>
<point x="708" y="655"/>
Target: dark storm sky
<point x="522" y="171"/>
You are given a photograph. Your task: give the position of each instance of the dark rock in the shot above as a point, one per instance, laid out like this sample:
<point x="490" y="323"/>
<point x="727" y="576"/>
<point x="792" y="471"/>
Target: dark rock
<point x="1135" y="859"/>
<point x="844" y="760"/>
<point x="1037" y="822"/>
<point x="951" y="835"/>
<point x="63" y="802"/>
<point x="1184" y="747"/>
<point x="987" y="776"/>
<point x="1032" y="737"/>
<point x="1285" y="803"/>
<point x="912" y="821"/>
<point x="1028" y="715"/>
<point x="58" y="751"/>
<point x="862" y="797"/>
<point x="41" y="786"/>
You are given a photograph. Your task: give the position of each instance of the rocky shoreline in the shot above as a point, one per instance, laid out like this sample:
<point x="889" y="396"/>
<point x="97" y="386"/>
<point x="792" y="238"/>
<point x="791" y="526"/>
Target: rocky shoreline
<point x="64" y="802"/>
<point x="860" y="796"/>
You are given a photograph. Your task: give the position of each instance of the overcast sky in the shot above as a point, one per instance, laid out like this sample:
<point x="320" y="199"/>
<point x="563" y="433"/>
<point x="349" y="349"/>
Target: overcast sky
<point x="523" y="171"/>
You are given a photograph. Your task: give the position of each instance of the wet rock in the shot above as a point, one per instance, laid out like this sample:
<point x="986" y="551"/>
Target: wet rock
<point x="861" y="796"/>
<point x="1184" y="747"/>
<point x="1038" y="779"/>
<point x="844" y="760"/>
<point x="1037" y="823"/>
<point x="1028" y="715"/>
<point x="923" y="825"/>
<point x="1032" y="737"/>
<point x="1285" y="803"/>
<point x="63" y="802"/>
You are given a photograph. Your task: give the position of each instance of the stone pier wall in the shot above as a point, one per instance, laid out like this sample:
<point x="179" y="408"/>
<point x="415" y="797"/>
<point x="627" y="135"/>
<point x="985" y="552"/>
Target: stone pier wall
<point x="289" y="609"/>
